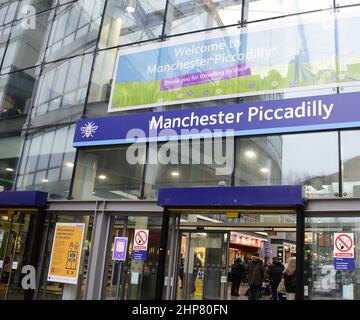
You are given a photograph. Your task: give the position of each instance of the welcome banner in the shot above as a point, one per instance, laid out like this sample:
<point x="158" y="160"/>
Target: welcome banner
<point x="224" y="64"/>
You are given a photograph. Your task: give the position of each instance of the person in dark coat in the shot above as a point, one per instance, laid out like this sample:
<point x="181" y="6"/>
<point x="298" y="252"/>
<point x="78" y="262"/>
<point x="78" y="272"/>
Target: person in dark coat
<point x="256" y="276"/>
<point x="236" y="276"/>
<point x="275" y="273"/>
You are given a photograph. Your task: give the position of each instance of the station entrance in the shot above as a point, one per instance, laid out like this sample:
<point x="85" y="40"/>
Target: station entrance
<point x="210" y="243"/>
<point x="206" y="233"/>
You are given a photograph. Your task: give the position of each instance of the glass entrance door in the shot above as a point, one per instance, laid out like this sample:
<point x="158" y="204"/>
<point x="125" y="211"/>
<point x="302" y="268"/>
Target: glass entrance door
<point x="202" y="270"/>
<point x="15" y="248"/>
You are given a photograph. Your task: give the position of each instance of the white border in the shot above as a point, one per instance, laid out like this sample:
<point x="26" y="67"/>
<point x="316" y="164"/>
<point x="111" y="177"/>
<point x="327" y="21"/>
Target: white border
<point x="61" y="279"/>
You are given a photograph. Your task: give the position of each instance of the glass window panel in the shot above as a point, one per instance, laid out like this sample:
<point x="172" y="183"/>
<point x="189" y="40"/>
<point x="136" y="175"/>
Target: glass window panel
<point x="105" y="173"/>
<point x="15" y="98"/>
<point x="64" y="40"/>
<point x="141" y="20"/>
<point x="10" y="149"/>
<point x="48" y="178"/>
<point x="322" y="280"/>
<point x="346" y="2"/>
<point x="62" y="91"/>
<point x="39" y="5"/>
<point x="26" y="44"/>
<point x="11" y="10"/>
<point x="350" y="152"/>
<point x="170" y="165"/>
<point x="263" y="9"/>
<point x="306" y="159"/>
<point x="44" y="155"/>
<point x="185" y="16"/>
<point x="54" y="290"/>
<point x="348" y="46"/>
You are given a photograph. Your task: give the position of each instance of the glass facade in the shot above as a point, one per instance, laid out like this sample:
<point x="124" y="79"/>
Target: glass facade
<point x="57" y="62"/>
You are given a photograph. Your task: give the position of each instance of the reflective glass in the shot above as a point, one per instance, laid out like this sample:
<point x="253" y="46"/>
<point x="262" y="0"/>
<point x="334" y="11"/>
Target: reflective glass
<point x="16" y="90"/>
<point x="105" y="173"/>
<point x="323" y="280"/>
<point x="189" y="164"/>
<point x="306" y="159"/>
<point x="348" y="46"/>
<point x="186" y="16"/>
<point x="75" y="29"/>
<point x="48" y="161"/>
<point x="25" y="45"/>
<point x="262" y="9"/>
<point x="62" y="91"/>
<point x="131" y="21"/>
<point x="8" y="11"/>
<point x="10" y="148"/>
<point x="350" y="155"/>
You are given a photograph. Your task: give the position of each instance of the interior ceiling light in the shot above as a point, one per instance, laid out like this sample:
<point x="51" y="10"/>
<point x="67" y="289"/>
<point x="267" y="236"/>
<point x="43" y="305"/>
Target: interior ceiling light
<point x="250" y="154"/>
<point x="131" y="6"/>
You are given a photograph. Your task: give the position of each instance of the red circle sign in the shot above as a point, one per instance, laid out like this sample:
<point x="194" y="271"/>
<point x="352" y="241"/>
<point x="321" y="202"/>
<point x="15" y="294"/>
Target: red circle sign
<point x="343" y="243"/>
<point x="141" y="238"/>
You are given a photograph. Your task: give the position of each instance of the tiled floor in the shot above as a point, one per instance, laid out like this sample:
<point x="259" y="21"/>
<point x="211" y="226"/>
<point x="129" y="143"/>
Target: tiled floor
<point x="242" y="293"/>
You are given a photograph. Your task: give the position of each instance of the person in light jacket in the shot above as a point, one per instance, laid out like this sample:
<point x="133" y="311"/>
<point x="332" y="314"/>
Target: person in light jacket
<point x="290" y="279"/>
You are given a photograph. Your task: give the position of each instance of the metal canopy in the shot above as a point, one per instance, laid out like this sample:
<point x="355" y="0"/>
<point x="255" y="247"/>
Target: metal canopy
<point x="23" y="199"/>
<point x="243" y="197"/>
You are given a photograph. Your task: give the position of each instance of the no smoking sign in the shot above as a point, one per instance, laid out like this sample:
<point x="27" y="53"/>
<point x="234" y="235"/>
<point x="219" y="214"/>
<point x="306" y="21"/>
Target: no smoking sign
<point x="141" y="238"/>
<point x="343" y="245"/>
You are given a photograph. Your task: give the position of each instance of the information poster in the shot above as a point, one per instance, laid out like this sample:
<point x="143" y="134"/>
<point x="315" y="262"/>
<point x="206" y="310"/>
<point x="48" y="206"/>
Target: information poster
<point x="66" y="253"/>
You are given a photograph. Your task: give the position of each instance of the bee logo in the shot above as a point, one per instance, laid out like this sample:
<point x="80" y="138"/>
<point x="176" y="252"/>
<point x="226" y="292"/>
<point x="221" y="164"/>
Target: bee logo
<point x="88" y="129"/>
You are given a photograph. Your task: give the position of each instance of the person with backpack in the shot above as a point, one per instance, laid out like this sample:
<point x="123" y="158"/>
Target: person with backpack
<point x="290" y="279"/>
<point x="236" y="276"/>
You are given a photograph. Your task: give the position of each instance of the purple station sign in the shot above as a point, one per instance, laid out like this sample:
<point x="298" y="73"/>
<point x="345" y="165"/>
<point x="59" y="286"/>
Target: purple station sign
<point x="120" y="248"/>
<point x="251" y="118"/>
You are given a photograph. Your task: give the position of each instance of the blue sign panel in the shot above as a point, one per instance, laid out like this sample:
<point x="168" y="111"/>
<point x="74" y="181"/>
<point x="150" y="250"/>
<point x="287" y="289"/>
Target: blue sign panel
<point x="139" y="255"/>
<point x="344" y="264"/>
<point x="252" y="118"/>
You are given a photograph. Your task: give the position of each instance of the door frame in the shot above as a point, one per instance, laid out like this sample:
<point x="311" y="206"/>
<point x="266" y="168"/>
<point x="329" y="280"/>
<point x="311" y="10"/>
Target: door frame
<point x="274" y="198"/>
<point x="175" y="279"/>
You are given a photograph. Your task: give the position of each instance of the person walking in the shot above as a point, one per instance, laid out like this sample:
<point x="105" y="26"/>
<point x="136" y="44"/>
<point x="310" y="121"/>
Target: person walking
<point x="196" y="269"/>
<point x="275" y="273"/>
<point x="290" y="279"/>
<point x="236" y="276"/>
<point x="256" y="276"/>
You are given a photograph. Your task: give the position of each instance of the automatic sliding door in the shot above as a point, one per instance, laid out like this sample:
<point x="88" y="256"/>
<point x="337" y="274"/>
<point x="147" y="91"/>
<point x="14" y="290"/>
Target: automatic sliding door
<point x="203" y="269"/>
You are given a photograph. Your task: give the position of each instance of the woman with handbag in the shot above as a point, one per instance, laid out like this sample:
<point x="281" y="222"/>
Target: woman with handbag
<point x="289" y="277"/>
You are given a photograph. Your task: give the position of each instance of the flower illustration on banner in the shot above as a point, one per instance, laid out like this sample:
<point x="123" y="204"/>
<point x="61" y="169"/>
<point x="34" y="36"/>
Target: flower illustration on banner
<point x="189" y="93"/>
<point x="251" y="86"/>
<point x="180" y="95"/>
<point x="206" y="93"/>
<point x="274" y="84"/>
<point x="219" y="90"/>
<point x="88" y="129"/>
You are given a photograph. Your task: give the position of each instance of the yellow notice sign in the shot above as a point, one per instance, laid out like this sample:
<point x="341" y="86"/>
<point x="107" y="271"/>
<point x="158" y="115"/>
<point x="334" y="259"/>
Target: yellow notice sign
<point x="232" y="215"/>
<point x="66" y="253"/>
